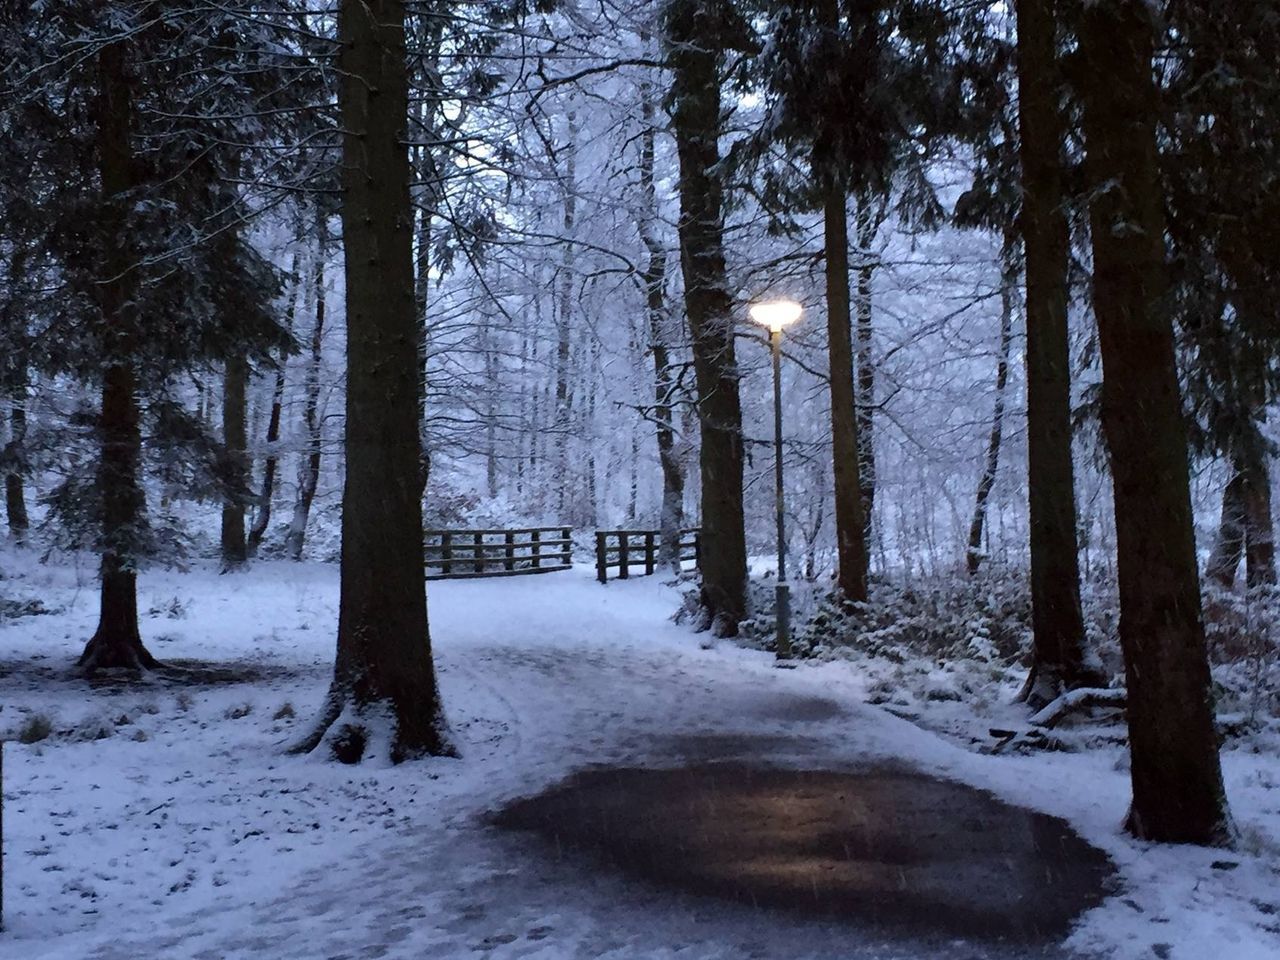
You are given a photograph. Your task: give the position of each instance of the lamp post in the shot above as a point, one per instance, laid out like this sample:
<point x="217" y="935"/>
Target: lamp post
<point x="775" y="315"/>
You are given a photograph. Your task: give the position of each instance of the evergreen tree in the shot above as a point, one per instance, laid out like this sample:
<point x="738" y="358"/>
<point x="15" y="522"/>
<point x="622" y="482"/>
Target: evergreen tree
<point x="1178" y="794"/>
<point x="384" y="697"/>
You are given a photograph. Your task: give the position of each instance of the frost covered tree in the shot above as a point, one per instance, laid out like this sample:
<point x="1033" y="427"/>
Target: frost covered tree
<point x="697" y="36"/>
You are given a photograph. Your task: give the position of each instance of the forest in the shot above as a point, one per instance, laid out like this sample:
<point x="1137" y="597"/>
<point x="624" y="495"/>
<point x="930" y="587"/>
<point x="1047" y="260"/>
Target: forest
<point x="880" y="391"/>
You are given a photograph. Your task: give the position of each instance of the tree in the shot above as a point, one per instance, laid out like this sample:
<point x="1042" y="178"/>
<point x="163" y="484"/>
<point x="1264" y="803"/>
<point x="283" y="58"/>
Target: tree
<point x="235" y="382"/>
<point x="654" y="279"/>
<point x="262" y="517"/>
<point x="1057" y="622"/>
<point x="384" y="695"/>
<point x="1178" y="794"/>
<point x="312" y="424"/>
<point x="1008" y="277"/>
<point x="697" y="33"/>
<point x="1220" y="153"/>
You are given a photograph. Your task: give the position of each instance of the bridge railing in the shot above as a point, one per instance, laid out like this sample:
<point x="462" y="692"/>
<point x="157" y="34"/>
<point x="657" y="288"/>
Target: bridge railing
<point x="623" y="549"/>
<point x="461" y="554"/>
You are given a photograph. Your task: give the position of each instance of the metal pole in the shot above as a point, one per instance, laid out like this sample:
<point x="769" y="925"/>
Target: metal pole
<point x="783" y="592"/>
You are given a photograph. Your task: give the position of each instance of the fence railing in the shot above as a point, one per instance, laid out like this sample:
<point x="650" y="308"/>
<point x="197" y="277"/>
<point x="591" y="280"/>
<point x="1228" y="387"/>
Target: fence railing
<point x="459" y="554"/>
<point x="623" y="549"/>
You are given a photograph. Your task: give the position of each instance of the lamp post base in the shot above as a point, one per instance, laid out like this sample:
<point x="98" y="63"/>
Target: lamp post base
<point x="782" y="611"/>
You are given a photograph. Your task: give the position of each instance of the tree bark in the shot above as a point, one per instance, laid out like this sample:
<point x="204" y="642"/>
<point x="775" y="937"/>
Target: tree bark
<point x="1228" y="547"/>
<point x="384" y="683"/>
<point x="851" y="547"/>
<point x="1259" y="531"/>
<point x="564" y="318"/>
<point x="1057" y="621"/>
<point x="1178" y="794"/>
<point x="692" y="35"/>
<point x="262" y="518"/>
<point x="309" y="469"/>
<point x="117" y="642"/>
<point x="867" y="222"/>
<point x="235" y="382"/>
<point x="15" y="498"/>
<point x="1008" y="277"/>
<point x="671" y="516"/>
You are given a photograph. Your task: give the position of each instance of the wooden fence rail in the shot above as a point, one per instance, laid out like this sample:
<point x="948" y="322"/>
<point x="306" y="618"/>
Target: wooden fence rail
<point x="623" y="549"/>
<point x="459" y="554"/>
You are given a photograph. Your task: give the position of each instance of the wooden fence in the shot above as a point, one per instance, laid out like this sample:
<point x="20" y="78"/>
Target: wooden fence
<point x="459" y="554"/>
<point x="623" y="549"/>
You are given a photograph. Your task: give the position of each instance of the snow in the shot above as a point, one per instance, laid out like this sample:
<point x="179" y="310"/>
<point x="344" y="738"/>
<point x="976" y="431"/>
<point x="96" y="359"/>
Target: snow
<point x="185" y="831"/>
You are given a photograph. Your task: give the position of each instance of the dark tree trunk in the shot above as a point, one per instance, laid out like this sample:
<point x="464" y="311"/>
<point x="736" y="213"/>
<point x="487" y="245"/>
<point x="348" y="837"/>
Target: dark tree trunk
<point x="692" y="33"/>
<point x="235" y="382"/>
<point x="1059" y="661"/>
<point x="1009" y="277"/>
<point x="117" y="641"/>
<point x="309" y="470"/>
<point x="671" y="518"/>
<point x="262" y="518"/>
<point x="1259" y="530"/>
<point x="1228" y="547"/>
<point x="15" y="498"/>
<point x="851" y="548"/>
<point x="564" y="318"/>
<point x="383" y="674"/>
<point x="1178" y="794"/>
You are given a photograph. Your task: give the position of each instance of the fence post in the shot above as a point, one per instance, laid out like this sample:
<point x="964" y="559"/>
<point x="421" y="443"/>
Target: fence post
<point x="536" y="537"/>
<point x="697" y="549"/>
<point x="509" y="563"/>
<point x="479" y="552"/>
<point x="648" y="553"/>
<point x="624" y="556"/>
<point x="567" y="546"/>
<point x="602" y="556"/>
<point x="446" y="553"/>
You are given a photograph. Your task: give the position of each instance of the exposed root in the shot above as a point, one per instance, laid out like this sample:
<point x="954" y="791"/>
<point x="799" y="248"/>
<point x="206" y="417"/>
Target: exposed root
<point x="112" y="653"/>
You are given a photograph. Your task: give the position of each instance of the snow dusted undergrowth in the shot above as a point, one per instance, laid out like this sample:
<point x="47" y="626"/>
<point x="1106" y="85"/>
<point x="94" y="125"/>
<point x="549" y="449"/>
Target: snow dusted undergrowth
<point x="162" y="820"/>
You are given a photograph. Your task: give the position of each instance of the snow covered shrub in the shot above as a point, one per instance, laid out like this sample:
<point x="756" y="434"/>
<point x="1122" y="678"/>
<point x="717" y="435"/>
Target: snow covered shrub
<point x="35" y="728"/>
<point x="174" y="609"/>
<point x="1241" y="631"/>
<point x="985" y="618"/>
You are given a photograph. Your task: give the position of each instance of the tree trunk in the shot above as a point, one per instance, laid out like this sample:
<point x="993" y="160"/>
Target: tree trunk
<point x="384" y="695"/>
<point x="117" y="641"/>
<point x="1057" y="621"/>
<point x="696" y="123"/>
<point x="867" y="222"/>
<point x="235" y="382"/>
<point x="564" y="318"/>
<point x="851" y="547"/>
<point x="1009" y="277"/>
<point x="1259" y="530"/>
<point x="1228" y="547"/>
<point x="1178" y="794"/>
<point x="262" y="519"/>
<point x="309" y="469"/>
<point x="671" y="516"/>
<point x="15" y="498"/>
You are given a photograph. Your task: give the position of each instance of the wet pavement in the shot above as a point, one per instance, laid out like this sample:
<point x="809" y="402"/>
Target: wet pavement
<point x="887" y="850"/>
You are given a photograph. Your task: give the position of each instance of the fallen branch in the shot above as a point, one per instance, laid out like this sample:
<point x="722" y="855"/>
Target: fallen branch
<point x="1074" y="700"/>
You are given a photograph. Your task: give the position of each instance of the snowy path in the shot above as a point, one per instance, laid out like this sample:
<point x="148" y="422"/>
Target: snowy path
<point x="199" y="839"/>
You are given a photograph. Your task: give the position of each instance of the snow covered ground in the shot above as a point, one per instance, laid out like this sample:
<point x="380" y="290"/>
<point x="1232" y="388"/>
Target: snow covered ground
<point x="159" y="820"/>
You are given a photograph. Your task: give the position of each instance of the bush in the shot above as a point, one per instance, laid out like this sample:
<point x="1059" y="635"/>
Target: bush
<point x="35" y="728"/>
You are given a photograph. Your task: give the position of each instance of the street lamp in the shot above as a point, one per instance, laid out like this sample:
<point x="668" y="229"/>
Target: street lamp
<point x="775" y="315"/>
